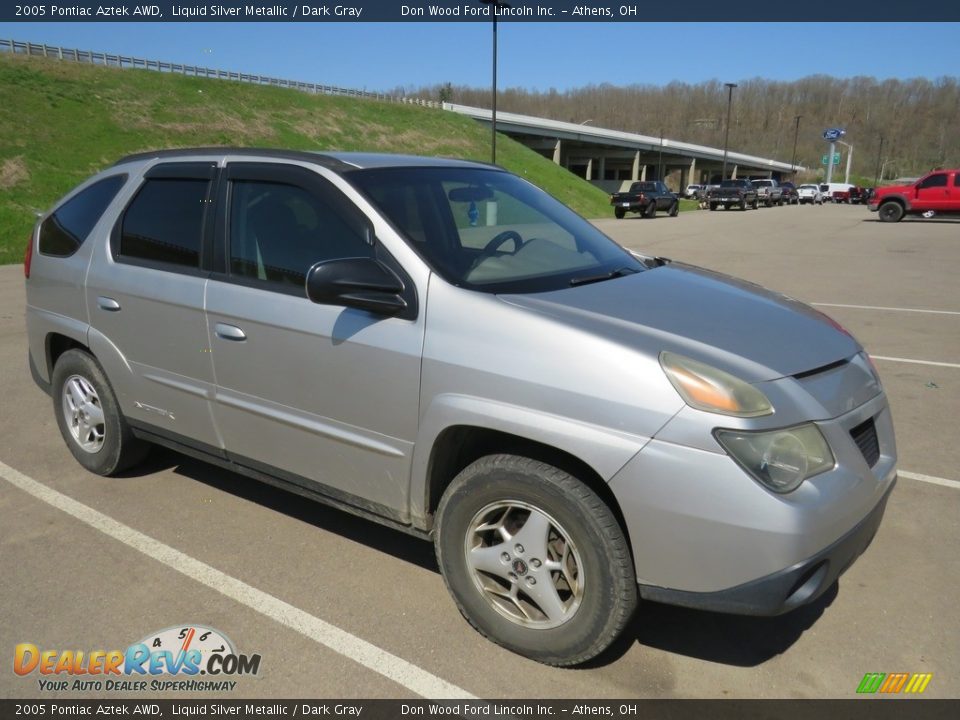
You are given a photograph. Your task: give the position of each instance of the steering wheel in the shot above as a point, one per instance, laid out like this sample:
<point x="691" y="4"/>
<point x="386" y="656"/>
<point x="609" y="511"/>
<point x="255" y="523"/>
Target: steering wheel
<point x="491" y="247"/>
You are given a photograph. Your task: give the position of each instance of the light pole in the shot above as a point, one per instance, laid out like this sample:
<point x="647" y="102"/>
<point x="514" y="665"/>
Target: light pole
<point x="494" y="6"/>
<point x="876" y="175"/>
<point x="726" y="135"/>
<point x="796" y="134"/>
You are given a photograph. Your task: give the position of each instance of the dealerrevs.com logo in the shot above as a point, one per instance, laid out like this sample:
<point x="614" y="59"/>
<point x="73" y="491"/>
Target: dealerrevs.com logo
<point x="182" y="658"/>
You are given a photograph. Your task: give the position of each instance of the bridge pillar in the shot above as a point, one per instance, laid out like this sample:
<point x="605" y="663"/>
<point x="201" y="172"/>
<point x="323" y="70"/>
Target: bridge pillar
<point x="556" y="152"/>
<point x="691" y="175"/>
<point x="590" y="169"/>
<point x="733" y="175"/>
<point x="602" y="168"/>
<point x="635" y="173"/>
<point x="643" y="172"/>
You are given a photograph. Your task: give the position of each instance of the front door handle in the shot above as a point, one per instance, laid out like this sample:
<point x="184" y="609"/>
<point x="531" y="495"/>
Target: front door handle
<point x="108" y="304"/>
<point x="229" y="332"/>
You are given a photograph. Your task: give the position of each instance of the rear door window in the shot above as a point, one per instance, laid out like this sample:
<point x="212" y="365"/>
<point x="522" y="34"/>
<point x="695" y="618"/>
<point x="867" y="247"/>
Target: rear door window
<point x="63" y="232"/>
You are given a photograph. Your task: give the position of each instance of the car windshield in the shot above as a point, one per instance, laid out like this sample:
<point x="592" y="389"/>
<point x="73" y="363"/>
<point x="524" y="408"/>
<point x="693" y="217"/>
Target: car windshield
<point x="491" y="231"/>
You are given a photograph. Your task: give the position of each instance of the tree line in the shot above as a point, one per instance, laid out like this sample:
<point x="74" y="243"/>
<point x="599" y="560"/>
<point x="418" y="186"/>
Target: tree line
<point x="917" y="120"/>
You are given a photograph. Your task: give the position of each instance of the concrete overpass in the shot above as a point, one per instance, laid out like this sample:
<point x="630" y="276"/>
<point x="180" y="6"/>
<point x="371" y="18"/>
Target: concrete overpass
<point x="610" y="158"/>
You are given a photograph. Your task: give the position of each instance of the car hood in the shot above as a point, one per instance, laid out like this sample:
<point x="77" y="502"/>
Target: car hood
<point x="891" y="189"/>
<point x="732" y="324"/>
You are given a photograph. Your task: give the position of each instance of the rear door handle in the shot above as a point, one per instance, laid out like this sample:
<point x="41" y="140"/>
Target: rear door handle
<point x="229" y="332"/>
<point x="108" y="304"/>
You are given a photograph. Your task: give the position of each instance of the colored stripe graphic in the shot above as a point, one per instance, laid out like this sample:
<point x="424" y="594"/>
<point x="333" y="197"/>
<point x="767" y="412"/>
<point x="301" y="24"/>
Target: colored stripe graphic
<point x="918" y="683"/>
<point x="871" y="682"/>
<point x="893" y="683"/>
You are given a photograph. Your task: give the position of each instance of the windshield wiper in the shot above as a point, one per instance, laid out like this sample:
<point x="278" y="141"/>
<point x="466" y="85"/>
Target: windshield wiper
<point x="587" y="279"/>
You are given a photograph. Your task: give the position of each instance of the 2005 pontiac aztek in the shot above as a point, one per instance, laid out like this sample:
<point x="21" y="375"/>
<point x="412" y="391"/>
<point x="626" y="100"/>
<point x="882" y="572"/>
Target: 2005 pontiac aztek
<point x="440" y="346"/>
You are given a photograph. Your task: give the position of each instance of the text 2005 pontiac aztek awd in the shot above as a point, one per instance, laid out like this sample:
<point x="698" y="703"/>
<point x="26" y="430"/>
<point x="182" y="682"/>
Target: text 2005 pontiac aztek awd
<point x="440" y="346"/>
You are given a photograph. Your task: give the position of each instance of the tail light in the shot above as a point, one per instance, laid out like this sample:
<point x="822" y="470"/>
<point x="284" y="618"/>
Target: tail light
<point x="28" y="257"/>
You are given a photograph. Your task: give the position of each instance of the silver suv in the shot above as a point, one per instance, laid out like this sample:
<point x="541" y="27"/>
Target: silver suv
<point x="440" y="346"/>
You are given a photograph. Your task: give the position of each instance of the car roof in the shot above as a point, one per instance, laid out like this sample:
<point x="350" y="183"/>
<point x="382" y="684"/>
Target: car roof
<point x="337" y="161"/>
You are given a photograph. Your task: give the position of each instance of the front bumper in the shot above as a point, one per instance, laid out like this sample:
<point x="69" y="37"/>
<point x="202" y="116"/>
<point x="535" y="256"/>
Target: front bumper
<point x="705" y="534"/>
<point x="783" y="591"/>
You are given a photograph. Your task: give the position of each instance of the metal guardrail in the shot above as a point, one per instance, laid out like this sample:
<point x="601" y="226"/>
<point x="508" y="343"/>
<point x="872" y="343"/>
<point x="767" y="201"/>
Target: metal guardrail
<point x="18" y="47"/>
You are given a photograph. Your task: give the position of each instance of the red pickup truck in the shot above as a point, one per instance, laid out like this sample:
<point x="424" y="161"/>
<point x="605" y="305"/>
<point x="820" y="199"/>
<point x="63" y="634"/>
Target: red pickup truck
<point x="937" y="192"/>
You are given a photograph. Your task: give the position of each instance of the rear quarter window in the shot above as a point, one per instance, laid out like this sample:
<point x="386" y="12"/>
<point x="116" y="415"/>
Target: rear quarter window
<point x="66" y="229"/>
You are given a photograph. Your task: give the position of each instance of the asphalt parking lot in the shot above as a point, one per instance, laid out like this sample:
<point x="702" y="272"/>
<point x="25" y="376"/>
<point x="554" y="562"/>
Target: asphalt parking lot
<point x="338" y="607"/>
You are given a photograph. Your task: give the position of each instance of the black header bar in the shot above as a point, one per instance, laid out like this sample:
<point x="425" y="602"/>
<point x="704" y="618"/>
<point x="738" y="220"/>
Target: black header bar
<point x="585" y="11"/>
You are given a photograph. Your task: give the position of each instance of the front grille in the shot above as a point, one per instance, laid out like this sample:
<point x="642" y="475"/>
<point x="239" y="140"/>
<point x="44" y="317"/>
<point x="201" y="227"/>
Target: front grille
<point x="865" y="436"/>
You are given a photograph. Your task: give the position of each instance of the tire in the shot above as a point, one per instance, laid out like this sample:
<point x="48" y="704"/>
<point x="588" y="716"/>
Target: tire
<point x="743" y="205"/>
<point x="525" y="495"/>
<point x="674" y="209"/>
<point x="756" y="203"/>
<point x="713" y="206"/>
<point x="89" y="416"/>
<point x="650" y="211"/>
<point x="618" y="213"/>
<point x="890" y="211"/>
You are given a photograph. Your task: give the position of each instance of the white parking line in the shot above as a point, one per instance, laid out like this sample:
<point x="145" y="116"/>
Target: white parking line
<point x="891" y="309"/>
<point x="380" y="661"/>
<point x="929" y="479"/>
<point x="915" y="362"/>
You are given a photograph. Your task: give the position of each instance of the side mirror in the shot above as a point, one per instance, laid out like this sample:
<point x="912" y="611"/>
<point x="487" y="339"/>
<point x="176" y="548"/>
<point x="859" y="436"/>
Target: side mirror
<point x="362" y="283"/>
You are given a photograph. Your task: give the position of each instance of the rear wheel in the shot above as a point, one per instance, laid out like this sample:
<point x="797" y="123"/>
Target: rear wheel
<point x="713" y="206"/>
<point x="89" y="416"/>
<point x="890" y="211"/>
<point x="535" y="560"/>
<point x="743" y="205"/>
<point x="618" y="213"/>
<point x="651" y="210"/>
<point x="674" y="209"/>
<point x="756" y="203"/>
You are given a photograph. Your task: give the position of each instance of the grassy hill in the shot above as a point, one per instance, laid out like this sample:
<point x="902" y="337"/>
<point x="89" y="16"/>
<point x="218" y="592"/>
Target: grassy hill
<point x="62" y="121"/>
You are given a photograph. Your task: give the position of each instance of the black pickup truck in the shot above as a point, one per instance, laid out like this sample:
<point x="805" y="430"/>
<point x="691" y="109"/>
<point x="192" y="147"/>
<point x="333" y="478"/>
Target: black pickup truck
<point x="645" y="197"/>
<point x="739" y="193"/>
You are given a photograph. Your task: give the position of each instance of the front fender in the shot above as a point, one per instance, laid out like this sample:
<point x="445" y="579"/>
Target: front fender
<point x="605" y="450"/>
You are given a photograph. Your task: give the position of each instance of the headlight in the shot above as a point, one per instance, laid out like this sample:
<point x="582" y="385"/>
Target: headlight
<point x="706" y="388"/>
<point x="779" y="459"/>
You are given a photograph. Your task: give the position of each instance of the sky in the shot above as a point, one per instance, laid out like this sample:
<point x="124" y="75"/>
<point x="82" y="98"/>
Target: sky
<point x="534" y="56"/>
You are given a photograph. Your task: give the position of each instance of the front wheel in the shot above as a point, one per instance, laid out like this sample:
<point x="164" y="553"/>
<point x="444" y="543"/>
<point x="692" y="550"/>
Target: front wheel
<point x="890" y="211"/>
<point x="535" y="560"/>
<point x="89" y="416"/>
<point x="674" y="209"/>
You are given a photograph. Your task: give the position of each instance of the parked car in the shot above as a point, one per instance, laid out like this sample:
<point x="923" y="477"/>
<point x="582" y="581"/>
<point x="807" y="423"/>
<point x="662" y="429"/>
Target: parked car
<point x="769" y="192"/>
<point x="837" y="192"/>
<point x="441" y="347"/>
<point x="790" y="196"/>
<point x="809" y="194"/>
<point x="937" y="192"/>
<point x="730" y="193"/>
<point x="645" y="197"/>
<point x="692" y="191"/>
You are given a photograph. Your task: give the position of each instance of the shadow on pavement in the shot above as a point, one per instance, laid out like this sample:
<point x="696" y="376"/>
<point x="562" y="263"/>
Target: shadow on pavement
<point x="378" y="537"/>
<point x="727" y="639"/>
